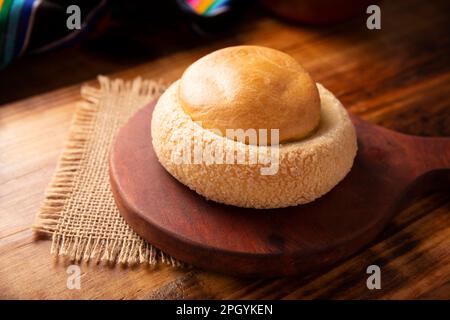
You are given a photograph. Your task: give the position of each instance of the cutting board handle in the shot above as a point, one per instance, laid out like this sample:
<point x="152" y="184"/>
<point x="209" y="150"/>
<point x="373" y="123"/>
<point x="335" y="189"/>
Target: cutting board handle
<point x="423" y="161"/>
<point x="432" y="153"/>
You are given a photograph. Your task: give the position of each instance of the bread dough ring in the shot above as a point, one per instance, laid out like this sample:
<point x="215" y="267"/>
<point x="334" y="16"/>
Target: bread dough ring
<point x="307" y="169"/>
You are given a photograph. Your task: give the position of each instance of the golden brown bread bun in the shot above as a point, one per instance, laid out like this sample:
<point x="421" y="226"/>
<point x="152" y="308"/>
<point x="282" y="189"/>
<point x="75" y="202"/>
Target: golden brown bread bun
<point x="247" y="87"/>
<point x="253" y="88"/>
<point x="308" y="168"/>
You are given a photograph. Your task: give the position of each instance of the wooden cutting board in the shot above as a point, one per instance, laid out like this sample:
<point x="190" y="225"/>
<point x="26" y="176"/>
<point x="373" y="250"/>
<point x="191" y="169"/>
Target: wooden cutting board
<point x="389" y="168"/>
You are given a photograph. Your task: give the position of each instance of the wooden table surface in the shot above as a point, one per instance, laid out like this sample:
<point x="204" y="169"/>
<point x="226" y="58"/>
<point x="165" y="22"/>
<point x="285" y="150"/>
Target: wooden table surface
<point x="398" y="77"/>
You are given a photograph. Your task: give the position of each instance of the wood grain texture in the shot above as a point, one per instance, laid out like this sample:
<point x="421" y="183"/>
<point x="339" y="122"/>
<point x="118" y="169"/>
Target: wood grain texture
<point x="398" y="77"/>
<point x="389" y="167"/>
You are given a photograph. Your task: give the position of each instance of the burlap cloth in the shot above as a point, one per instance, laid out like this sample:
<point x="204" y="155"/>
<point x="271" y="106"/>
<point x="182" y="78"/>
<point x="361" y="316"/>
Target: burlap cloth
<point x="79" y="210"/>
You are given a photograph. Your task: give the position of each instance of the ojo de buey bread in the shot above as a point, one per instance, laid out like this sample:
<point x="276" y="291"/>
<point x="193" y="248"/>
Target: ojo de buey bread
<point x="249" y="87"/>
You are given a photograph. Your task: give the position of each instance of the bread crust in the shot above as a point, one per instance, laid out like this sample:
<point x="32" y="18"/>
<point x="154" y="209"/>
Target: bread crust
<point x="245" y="87"/>
<point x="308" y="168"/>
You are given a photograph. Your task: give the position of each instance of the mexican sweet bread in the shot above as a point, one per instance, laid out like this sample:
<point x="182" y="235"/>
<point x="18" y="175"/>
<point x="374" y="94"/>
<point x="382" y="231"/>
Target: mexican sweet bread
<point x="204" y="128"/>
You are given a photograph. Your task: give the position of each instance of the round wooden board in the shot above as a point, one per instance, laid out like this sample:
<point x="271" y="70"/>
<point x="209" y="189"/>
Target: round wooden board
<point x="253" y="242"/>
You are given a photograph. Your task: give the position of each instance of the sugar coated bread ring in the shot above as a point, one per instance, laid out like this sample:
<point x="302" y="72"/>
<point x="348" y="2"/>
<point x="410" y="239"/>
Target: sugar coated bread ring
<point x="236" y="88"/>
<point x="295" y="172"/>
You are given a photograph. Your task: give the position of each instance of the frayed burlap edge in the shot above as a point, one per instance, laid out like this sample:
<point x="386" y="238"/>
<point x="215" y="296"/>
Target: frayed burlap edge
<point x="60" y="189"/>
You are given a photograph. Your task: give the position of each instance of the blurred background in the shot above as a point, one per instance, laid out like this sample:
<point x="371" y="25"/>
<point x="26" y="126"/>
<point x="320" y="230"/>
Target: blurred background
<point x="39" y="53"/>
<point x="378" y="74"/>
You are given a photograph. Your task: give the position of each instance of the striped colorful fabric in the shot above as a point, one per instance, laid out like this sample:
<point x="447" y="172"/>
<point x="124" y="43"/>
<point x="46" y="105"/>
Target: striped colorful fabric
<point x="39" y="25"/>
<point x="209" y="7"/>
<point x="15" y="29"/>
<point x="22" y="33"/>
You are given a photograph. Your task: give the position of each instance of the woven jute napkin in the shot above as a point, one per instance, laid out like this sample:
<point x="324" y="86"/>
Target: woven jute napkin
<point x="79" y="211"/>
